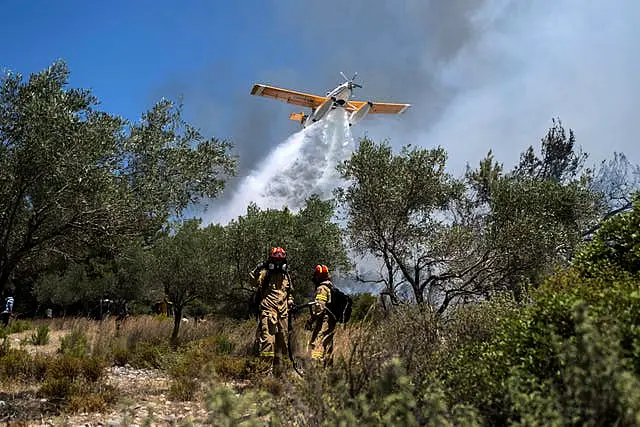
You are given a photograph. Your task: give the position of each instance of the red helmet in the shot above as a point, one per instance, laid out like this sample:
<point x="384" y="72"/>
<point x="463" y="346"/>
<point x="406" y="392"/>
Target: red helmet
<point x="321" y="272"/>
<point x="277" y="253"/>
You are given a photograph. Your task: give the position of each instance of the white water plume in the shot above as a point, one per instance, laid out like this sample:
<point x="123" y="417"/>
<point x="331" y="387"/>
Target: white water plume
<point x="302" y="165"/>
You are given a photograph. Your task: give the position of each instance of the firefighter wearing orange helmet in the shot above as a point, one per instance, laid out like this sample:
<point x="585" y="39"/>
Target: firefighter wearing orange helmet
<point x="322" y="322"/>
<point x="275" y="292"/>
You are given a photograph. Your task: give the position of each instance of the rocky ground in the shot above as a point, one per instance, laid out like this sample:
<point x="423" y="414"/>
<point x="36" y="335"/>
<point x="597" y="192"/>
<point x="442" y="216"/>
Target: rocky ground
<point x="143" y="399"/>
<point x="143" y="402"/>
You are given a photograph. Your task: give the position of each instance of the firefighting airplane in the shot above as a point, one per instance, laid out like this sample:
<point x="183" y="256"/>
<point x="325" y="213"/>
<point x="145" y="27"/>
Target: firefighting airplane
<point x="321" y="105"/>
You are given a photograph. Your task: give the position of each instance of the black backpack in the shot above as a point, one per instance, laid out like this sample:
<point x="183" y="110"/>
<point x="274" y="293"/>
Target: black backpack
<point x="340" y="305"/>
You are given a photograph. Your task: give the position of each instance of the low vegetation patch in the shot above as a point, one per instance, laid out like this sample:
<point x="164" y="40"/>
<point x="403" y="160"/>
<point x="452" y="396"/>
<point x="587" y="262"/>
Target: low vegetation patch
<point x="41" y="336"/>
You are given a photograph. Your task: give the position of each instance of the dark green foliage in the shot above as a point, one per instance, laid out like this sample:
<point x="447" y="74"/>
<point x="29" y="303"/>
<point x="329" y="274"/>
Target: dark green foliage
<point x="556" y="358"/>
<point x="536" y="224"/>
<point x="365" y="306"/>
<point x="75" y="179"/>
<point x="560" y="159"/>
<point x="615" y="248"/>
<point x="405" y="209"/>
<point x="184" y="265"/>
<point x="537" y="213"/>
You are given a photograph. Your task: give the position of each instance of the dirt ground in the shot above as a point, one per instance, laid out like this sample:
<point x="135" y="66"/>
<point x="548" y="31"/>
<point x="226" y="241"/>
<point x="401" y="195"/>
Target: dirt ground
<point x="143" y="399"/>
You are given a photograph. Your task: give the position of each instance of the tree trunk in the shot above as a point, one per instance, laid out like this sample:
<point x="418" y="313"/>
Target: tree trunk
<point x="177" y="319"/>
<point x="390" y="280"/>
<point x="418" y="293"/>
<point x="5" y="273"/>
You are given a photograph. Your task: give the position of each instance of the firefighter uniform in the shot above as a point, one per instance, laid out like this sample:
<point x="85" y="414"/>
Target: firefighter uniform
<point x="323" y="324"/>
<point x="8" y="311"/>
<point x="275" y="290"/>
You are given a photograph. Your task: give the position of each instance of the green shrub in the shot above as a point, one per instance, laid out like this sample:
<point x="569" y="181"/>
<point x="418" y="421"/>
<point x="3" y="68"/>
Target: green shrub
<point x="365" y="306"/>
<point x="390" y="399"/>
<point x="218" y="344"/>
<point x="76" y="383"/>
<point x="41" y="336"/>
<point x="555" y="359"/>
<point x="15" y="364"/>
<point x="251" y="409"/>
<point x="594" y="383"/>
<point x="96" y="401"/>
<point x="75" y="344"/>
<point x="198" y="364"/>
<point x="120" y="355"/>
<point x="186" y="373"/>
<point x="239" y="368"/>
<point x="150" y="355"/>
<point x="615" y="249"/>
<point x="15" y="327"/>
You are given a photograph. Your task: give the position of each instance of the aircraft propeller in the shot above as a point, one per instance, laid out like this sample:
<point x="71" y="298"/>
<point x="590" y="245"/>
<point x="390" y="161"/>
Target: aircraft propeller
<point x="351" y="83"/>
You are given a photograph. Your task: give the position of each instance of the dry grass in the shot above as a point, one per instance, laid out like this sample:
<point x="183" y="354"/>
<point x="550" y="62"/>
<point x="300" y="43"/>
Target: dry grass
<point x="217" y="351"/>
<point x="21" y="340"/>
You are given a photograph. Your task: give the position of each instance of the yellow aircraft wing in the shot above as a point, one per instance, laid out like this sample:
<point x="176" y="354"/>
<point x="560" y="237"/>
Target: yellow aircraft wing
<point x="379" y="107"/>
<point x="289" y="96"/>
<point x="296" y="116"/>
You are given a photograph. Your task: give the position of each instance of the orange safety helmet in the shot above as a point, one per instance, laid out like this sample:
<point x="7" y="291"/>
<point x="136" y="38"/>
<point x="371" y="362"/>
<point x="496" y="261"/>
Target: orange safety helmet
<point x="321" y="272"/>
<point x="277" y="253"/>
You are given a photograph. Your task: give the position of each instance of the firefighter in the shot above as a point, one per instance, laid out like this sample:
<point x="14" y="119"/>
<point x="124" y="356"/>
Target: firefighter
<point x="164" y="307"/>
<point x="8" y="311"/>
<point x="275" y="293"/>
<point x="322" y="322"/>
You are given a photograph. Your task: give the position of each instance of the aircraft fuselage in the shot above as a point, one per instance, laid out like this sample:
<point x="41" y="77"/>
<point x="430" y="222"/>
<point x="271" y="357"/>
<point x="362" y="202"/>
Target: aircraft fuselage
<point x="341" y="94"/>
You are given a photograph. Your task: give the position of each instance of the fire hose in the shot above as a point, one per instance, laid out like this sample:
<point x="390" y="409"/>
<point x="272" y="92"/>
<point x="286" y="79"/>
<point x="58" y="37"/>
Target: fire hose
<point x="294" y="309"/>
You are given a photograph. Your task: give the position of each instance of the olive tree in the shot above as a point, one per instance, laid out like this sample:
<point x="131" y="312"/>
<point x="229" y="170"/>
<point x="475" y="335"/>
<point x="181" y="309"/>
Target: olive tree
<point x="182" y="266"/>
<point x="534" y="215"/>
<point x="405" y="209"/>
<point x="73" y="177"/>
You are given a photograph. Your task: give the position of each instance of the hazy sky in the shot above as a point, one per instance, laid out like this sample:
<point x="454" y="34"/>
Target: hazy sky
<point x="480" y="74"/>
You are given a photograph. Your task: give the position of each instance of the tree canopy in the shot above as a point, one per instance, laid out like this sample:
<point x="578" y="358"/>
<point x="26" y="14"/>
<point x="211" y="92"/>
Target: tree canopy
<point x="74" y="178"/>
<point x="93" y="205"/>
<point x="454" y="240"/>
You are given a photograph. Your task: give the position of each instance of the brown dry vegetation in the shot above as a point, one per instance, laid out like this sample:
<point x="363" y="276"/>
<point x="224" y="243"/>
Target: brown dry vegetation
<point x="141" y="376"/>
<point x="136" y="376"/>
<point x="568" y="359"/>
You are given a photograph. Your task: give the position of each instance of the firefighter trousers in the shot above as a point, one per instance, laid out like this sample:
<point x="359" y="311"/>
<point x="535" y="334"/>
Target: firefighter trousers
<point x="322" y="339"/>
<point x="273" y="335"/>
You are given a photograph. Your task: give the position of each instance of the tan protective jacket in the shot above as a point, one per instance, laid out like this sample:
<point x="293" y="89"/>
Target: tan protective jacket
<point x="276" y="291"/>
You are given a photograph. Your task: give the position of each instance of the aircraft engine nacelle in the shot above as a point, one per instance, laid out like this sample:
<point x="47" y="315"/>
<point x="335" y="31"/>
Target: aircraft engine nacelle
<point x="323" y="109"/>
<point x="360" y="113"/>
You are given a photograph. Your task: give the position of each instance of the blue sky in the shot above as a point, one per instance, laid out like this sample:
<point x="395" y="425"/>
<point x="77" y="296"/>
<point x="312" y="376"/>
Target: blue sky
<point x="480" y="74"/>
<point x="124" y="50"/>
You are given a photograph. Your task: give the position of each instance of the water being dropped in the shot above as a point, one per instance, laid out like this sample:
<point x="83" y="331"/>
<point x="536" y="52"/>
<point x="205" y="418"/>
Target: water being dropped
<point x="302" y="165"/>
